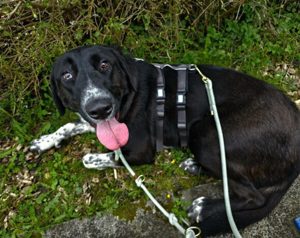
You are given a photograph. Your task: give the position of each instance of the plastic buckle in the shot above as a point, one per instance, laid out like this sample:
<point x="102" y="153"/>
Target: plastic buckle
<point x="181" y="100"/>
<point x="160" y="114"/>
<point x="160" y="94"/>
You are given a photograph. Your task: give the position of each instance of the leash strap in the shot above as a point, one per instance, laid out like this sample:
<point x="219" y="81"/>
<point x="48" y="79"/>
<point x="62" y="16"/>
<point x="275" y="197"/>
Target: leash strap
<point x="214" y="113"/>
<point x="189" y="232"/>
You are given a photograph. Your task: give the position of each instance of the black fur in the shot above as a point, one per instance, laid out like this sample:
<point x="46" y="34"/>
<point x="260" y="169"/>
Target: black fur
<point x="261" y="126"/>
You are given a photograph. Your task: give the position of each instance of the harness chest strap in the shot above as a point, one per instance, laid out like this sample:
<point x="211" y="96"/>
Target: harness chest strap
<point x="182" y="71"/>
<point x="181" y="105"/>
<point x="160" y="109"/>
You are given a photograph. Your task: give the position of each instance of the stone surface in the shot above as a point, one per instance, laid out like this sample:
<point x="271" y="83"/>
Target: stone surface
<point x="143" y="226"/>
<point x="279" y="224"/>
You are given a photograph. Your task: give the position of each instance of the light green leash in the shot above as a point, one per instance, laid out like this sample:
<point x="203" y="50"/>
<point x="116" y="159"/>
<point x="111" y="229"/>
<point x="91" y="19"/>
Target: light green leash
<point x="214" y="113"/>
<point x="189" y="232"/>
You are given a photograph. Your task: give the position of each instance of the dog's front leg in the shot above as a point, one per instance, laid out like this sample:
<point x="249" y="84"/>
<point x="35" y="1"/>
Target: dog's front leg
<point x="54" y="139"/>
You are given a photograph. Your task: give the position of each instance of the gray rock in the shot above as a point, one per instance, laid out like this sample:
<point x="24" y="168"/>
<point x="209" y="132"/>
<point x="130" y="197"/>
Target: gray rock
<point x="144" y="225"/>
<point x="279" y="224"/>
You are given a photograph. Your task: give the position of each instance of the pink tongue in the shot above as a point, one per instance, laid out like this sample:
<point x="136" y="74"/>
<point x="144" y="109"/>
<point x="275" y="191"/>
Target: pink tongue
<point x="112" y="134"/>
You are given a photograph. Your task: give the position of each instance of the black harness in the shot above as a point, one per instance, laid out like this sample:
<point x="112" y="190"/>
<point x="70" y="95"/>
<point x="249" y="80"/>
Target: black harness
<point x="182" y="89"/>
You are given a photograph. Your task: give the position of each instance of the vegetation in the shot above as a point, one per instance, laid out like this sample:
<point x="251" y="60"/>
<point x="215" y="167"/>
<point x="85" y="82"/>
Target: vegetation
<point x="258" y="37"/>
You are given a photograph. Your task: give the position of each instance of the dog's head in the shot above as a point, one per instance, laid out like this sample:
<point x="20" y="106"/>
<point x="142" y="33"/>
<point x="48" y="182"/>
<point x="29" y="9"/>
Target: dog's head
<point x="94" y="81"/>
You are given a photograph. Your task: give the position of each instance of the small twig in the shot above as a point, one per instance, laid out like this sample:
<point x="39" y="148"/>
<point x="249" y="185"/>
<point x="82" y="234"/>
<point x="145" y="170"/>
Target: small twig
<point x="238" y="13"/>
<point x="115" y="174"/>
<point x="5" y="112"/>
<point x="13" y="11"/>
<point x="198" y="17"/>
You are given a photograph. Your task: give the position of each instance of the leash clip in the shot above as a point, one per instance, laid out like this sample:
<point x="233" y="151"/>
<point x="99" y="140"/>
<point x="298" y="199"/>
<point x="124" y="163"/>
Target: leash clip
<point x="192" y="232"/>
<point x="139" y="181"/>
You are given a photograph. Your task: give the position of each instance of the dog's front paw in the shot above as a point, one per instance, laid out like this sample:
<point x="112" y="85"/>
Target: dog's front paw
<point x="190" y="165"/>
<point x="44" y="143"/>
<point x="92" y="161"/>
<point x="195" y="211"/>
<point x="99" y="161"/>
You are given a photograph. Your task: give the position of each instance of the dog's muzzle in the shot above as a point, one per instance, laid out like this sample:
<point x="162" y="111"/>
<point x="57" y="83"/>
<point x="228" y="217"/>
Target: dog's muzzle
<point x="99" y="109"/>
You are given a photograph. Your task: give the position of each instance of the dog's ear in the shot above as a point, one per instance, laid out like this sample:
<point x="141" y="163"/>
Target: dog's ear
<point x="128" y="67"/>
<point x="57" y="100"/>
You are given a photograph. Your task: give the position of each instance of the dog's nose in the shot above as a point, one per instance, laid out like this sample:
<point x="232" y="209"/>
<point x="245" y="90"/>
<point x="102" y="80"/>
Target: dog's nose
<point x="99" y="109"/>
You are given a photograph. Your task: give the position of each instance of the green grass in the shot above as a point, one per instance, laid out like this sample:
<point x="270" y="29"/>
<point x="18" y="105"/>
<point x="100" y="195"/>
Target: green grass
<point x="39" y="192"/>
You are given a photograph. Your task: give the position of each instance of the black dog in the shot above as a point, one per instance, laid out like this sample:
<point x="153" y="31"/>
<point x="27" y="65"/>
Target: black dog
<point x="261" y="126"/>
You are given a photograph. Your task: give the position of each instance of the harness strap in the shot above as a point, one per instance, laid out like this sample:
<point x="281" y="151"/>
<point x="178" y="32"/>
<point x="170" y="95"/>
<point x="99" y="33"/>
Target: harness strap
<point x="181" y="104"/>
<point x="160" y="109"/>
<point x="182" y="72"/>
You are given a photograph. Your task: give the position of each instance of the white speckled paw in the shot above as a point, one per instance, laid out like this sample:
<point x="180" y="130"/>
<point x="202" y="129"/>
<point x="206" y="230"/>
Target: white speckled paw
<point x="195" y="211"/>
<point x="99" y="161"/>
<point x="190" y="165"/>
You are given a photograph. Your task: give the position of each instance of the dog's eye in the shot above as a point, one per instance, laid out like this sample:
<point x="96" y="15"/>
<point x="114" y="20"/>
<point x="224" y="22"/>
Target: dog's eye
<point x="104" y="66"/>
<point x="67" y="76"/>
